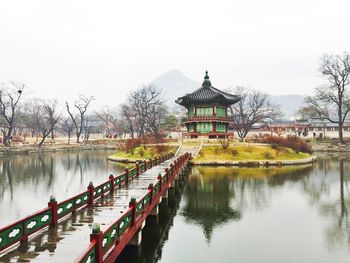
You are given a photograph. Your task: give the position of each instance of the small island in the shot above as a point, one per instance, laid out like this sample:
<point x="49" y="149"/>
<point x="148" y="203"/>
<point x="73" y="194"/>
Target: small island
<point x="141" y="153"/>
<point x="251" y="155"/>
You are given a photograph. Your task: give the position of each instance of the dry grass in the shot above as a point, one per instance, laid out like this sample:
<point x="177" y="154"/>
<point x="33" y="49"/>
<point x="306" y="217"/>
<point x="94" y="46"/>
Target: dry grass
<point x="138" y="153"/>
<point x="248" y="152"/>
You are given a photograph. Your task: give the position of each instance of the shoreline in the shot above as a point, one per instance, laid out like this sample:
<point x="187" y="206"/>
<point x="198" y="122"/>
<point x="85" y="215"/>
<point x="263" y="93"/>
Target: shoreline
<point x="256" y="163"/>
<point x="124" y="160"/>
<point x="29" y="149"/>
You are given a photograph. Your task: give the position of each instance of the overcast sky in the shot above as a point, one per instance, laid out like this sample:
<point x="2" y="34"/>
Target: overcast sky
<point x="105" y="48"/>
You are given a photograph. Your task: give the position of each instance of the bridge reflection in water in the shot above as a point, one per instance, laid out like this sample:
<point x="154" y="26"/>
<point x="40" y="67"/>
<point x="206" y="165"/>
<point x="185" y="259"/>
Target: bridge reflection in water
<point x="268" y="211"/>
<point x="156" y="231"/>
<point x="134" y="185"/>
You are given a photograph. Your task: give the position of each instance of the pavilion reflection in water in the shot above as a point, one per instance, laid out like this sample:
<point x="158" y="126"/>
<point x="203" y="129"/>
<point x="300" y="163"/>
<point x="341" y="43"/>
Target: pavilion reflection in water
<point x="218" y="195"/>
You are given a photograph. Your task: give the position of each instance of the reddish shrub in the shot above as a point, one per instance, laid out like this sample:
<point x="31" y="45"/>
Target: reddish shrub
<point x="131" y="144"/>
<point x="295" y="143"/>
<point x="234" y="152"/>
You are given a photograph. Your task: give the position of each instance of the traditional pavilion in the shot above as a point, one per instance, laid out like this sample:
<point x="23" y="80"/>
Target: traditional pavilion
<point x="207" y="111"/>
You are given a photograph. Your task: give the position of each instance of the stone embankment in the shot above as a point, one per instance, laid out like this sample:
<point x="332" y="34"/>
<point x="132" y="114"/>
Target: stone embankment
<point x="27" y="149"/>
<point x="331" y="147"/>
<point x="256" y="163"/>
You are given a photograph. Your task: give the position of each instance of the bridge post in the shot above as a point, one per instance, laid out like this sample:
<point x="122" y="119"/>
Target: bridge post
<point x="176" y="164"/>
<point x="167" y="172"/>
<point x="137" y="169"/>
<point x="90" y="188"/>
<point x="171" y="169"/>
<point x="160" y="180"/>
<point x="53" y="205"/>
<point x="126" y="176"/>
<point x="132" y="204"/>
<point x="97" y="236"/>
<point x="150" y="187"/>
<point x="111" y="178"/>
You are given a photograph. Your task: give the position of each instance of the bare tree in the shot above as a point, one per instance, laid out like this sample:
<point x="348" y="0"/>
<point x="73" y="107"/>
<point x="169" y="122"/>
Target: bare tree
<point x="41" y="117"/>
<point x="254" y="107"/>
<point x="156" y="119"/>
<point x="87" y="128"/>
<point x="106" y="115"/>
<point x="145" y="111"/>
<point x="119" y="126"/>
<point x="50" y="107"/>
<point x="81" y="105"/>
<point x="67" y="126"/>
<point x="111" y="121"/>
<point x="331" y="101"/>
<point x="129" y="117"/>
<point x="10" y="96"/>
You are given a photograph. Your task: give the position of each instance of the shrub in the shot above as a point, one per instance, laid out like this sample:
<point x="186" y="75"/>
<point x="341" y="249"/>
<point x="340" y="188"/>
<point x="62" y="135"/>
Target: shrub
<point x="267" y="155"/>
<point x="161" y="148"/>
<point x="225" y="143"/>
<point x="234" y="152"/>
<point x="131" y="144"/>
<point x="280" y="150"/>
<point x="295" y="143"/>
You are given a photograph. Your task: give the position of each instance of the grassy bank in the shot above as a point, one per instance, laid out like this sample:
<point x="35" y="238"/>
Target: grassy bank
<point x="143" y="153"/>
<point x="248" y="152"/>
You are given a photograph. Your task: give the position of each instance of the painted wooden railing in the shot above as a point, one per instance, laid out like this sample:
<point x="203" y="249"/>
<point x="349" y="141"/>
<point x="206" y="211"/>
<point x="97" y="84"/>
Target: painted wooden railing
<point x="207" y="118"/>
<point x="22" y="229"/>
<point x="105" y="246"/>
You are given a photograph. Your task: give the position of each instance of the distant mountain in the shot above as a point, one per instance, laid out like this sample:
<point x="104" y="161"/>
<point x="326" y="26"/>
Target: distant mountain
<point x="175" y="84"/>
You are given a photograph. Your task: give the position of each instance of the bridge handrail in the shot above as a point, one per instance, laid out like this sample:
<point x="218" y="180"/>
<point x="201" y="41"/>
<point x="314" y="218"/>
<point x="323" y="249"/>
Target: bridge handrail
<point x="89" y="254"/>
<point x="105" y="239"/>
<point x="23" y="228"/>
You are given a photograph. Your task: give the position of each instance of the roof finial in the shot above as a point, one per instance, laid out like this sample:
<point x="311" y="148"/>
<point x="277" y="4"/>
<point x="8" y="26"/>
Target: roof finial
<point x="206" y="82"/>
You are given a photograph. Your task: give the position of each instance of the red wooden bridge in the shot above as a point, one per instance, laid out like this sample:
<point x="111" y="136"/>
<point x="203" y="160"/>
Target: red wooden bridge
<point x="95" y="225"/>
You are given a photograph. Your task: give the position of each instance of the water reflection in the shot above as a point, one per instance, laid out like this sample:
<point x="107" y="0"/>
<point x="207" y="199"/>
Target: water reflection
<point x="283" y="214"/>
<point x="331" y="194"/>
<point x="217" y="195"/>
<point x="208" y="201"/>
<point x="27" y="181"/>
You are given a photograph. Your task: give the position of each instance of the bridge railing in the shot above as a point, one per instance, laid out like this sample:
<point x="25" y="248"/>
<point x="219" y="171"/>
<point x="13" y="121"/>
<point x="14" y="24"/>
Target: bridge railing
<point x="22" y="229"/>
<point x="119" y="232"/>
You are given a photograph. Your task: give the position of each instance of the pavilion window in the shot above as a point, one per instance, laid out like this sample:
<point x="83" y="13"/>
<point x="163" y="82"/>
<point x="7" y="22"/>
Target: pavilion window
<point x="220" y="112"/>
<point x="220" y="127"/>
<point x="190" y="112"/>
<point x="204" y="127"/>
<point x="201" y="111"/>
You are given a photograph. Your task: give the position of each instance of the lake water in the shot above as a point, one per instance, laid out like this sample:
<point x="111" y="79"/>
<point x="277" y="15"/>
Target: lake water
<point x="219" y="214"/>
<point x="28" y="181"/>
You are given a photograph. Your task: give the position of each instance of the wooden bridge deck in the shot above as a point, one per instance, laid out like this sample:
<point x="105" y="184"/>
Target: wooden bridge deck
<point x="71" y="236"/>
